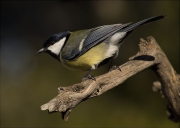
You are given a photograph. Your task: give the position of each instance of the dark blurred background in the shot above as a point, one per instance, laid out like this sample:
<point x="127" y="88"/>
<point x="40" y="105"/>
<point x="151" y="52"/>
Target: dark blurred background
<point x="29" y="80"/>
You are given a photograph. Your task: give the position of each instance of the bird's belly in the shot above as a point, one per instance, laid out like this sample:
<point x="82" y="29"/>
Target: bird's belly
<point x="85" y="62"/>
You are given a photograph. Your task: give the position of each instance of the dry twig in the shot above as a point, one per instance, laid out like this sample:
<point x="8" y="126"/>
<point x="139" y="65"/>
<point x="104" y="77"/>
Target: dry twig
<point x="150" y="56"/>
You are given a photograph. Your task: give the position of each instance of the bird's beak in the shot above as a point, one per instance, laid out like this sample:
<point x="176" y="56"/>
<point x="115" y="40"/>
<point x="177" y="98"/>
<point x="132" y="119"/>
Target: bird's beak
<point x="41" y="50"/>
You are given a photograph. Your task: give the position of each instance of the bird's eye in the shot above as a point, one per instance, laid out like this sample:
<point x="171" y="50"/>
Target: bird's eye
<point x="52" y="42"/>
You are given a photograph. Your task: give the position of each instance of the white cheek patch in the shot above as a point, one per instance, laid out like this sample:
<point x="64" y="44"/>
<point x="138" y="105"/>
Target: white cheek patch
<point x="56" y="48"/>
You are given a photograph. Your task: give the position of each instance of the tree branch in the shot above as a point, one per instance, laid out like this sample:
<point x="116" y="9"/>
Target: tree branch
<point x="150" y="56"/>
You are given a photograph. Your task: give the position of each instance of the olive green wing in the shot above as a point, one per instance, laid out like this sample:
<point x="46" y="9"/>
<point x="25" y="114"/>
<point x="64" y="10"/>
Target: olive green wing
<point x="89" y="39"/>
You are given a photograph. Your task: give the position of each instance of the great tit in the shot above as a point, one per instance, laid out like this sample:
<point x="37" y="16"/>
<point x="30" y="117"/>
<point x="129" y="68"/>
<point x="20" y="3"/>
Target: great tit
<point x="88" y="49"/>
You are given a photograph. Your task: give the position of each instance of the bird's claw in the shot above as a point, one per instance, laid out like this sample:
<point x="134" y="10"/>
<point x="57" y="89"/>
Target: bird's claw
<point x="114" y="68"/>
<point x="88" y="77"/>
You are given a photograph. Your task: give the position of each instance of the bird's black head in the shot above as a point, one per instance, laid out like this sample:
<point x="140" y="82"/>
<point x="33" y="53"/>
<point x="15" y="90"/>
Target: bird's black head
<point x="54" y="44"/>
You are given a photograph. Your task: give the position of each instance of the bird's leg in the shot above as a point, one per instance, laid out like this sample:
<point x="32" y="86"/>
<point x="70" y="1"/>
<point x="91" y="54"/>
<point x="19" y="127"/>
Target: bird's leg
<point x="88" y="75"/>
<point x="109" y="68"/>
<point x="113" y="67"/>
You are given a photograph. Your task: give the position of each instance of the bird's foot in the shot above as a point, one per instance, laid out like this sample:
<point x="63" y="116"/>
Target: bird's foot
<point x="114" y="68"/>
<point x="88" y="77"/>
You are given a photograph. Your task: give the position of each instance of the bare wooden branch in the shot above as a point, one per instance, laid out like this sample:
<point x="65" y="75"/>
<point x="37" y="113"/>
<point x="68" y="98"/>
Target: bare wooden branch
<point x="150" y="56"/>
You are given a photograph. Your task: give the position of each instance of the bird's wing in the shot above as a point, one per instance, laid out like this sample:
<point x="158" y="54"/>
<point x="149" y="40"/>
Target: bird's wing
<point x="95" y="36"/>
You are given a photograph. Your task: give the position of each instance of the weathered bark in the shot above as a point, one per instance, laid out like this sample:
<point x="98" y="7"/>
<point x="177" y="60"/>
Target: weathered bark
<point x="150" y="56"/>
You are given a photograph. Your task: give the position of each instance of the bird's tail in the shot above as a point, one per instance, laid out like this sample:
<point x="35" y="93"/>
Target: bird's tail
<point x="140" y="23"/>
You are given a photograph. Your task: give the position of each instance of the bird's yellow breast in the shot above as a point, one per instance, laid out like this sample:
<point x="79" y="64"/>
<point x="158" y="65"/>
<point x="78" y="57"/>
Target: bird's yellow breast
<point x="94" y="56"/>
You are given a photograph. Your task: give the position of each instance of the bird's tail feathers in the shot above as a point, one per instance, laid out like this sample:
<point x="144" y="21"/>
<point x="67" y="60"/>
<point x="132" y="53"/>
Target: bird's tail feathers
<point x="140" y="23"/>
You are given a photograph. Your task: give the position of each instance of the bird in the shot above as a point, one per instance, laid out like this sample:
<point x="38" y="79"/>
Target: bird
<point x="88" y="49"/>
